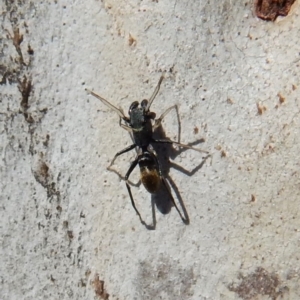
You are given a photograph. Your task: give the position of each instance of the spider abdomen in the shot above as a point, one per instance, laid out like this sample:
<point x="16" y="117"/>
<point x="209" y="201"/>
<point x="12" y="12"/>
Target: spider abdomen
<point x="150" y="179"/>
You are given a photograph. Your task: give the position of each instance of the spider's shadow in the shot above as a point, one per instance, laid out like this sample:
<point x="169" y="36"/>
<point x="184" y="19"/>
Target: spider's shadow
<point x="165" y="152"/>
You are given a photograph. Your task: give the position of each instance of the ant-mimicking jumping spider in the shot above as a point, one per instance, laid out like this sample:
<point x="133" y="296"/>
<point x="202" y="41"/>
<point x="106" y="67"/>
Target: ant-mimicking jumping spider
<point x="139" y="124"/>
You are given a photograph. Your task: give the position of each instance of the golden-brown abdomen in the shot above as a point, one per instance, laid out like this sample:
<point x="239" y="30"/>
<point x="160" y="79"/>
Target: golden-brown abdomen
<point x="150" y="179"/>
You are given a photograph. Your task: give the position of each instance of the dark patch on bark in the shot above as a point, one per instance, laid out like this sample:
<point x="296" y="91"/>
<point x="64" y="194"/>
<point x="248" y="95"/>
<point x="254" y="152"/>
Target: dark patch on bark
<point x="269" y="10"/>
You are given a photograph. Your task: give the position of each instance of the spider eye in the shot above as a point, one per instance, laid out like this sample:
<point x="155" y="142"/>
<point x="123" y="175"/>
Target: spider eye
<point x="133" y="105"/>
<point x="144" y="103"/>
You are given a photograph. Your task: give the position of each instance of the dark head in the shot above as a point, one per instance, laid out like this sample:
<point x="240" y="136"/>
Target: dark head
<point x="138" y="115"/>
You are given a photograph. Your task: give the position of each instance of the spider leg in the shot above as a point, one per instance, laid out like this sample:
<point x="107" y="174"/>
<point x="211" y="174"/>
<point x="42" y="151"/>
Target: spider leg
<point x="131" y="168"/>
<point x="159" y="120"/>
<point x="120" y="153"/>
<point x="107" y="103"/>
<point x="154" y="93"/>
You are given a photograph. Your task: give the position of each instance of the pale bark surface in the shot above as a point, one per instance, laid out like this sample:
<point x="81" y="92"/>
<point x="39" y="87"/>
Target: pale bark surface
<point x="67" y="223"/>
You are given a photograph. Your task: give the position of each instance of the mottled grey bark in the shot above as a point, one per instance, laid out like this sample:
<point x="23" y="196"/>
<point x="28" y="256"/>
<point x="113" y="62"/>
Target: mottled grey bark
<point x="68" y="230"/>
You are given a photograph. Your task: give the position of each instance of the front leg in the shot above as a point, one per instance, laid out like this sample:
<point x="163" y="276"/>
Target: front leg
<point x="131" y="168"/>
<point x="159" y="120"/>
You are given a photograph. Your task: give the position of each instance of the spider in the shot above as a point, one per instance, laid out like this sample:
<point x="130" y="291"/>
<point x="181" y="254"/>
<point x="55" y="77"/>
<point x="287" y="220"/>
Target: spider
<point x="141" y="123"/>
